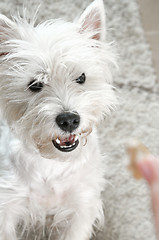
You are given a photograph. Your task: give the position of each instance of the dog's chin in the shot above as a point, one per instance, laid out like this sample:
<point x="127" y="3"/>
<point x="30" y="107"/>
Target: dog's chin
<point x="67" y="144"/>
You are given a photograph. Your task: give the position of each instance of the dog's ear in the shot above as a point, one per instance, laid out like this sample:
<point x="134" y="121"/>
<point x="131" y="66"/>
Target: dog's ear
<point x="92" y="20"/>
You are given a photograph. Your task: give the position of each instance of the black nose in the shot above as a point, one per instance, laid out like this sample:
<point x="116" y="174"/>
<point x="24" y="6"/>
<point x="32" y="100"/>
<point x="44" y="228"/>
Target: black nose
<point x="68" y="121"/>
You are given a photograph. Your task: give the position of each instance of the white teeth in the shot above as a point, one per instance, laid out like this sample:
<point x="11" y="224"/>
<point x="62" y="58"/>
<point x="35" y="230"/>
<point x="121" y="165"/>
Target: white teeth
<point x="76" y="138"/>
<point x="68" y="146"/>
<point x="65" y="146"/>
<point x="58" y="141"/>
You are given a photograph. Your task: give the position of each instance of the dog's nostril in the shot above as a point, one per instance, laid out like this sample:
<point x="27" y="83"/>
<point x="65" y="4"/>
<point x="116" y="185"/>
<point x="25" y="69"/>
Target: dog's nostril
<point x="68" y="121"/>
<point x="76" y="121"/>
<point x="64" y="124"/>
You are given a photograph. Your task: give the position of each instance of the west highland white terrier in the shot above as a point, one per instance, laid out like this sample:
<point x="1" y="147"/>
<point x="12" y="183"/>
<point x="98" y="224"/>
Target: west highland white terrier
<point x="55" y="87"/>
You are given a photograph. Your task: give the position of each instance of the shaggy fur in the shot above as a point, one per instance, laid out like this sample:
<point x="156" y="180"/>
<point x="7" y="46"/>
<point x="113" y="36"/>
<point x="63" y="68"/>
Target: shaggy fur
<point x="42" y="189"/>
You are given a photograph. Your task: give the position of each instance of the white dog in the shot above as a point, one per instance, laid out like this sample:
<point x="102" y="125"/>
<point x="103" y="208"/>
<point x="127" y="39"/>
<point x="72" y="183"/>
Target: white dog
<point x="55" y="87"/>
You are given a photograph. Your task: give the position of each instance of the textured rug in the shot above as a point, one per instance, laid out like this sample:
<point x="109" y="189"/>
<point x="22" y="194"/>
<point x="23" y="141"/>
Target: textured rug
<point x="127" y="202"/>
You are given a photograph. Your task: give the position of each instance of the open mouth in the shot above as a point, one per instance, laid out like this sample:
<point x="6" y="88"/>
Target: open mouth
<point x="66" y="144"/>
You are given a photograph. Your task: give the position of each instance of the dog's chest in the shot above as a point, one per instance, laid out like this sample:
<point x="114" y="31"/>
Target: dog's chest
<point x="47" y="195"/>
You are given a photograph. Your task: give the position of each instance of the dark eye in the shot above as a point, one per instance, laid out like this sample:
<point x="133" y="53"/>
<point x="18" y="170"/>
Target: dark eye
<point x="35" y="87"/>
<point x="81" y="79"/>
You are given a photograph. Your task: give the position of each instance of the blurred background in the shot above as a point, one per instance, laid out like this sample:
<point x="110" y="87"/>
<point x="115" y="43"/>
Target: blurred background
<point x="149" y="10"/>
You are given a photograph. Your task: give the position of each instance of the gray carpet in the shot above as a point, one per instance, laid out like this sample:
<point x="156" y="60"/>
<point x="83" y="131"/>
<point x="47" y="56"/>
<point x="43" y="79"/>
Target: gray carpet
<point x="127" y="203"/>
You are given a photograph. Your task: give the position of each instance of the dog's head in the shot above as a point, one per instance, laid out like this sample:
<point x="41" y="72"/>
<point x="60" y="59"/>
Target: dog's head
<point x="55" y="79"/>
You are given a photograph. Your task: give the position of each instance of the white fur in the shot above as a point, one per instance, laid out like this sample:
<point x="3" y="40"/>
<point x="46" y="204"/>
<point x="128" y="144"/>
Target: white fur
<point x="43" y="190"/>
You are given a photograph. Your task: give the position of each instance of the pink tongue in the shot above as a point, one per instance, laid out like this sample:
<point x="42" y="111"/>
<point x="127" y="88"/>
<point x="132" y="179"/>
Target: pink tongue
<point x="67" y="141"/>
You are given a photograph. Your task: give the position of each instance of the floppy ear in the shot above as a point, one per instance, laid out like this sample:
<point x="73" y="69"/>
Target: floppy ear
<point x="93" y="20"/>
<point x="7" y="31"/>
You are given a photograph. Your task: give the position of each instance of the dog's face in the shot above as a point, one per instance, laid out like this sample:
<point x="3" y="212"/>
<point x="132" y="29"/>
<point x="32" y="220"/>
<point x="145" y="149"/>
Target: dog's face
<point x="55" y="80"/>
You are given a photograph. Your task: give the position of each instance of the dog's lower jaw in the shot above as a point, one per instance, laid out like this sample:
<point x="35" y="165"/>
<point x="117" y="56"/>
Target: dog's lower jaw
<point x="39" y="187"/>
<point x="66" y="144"/>
<point x="62" y="148"/>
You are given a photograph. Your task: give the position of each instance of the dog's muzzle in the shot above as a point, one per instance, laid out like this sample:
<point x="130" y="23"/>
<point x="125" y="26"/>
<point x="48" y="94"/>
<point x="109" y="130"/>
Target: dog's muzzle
<point x="66" y="144"/>
<point x="67" y="122"/>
